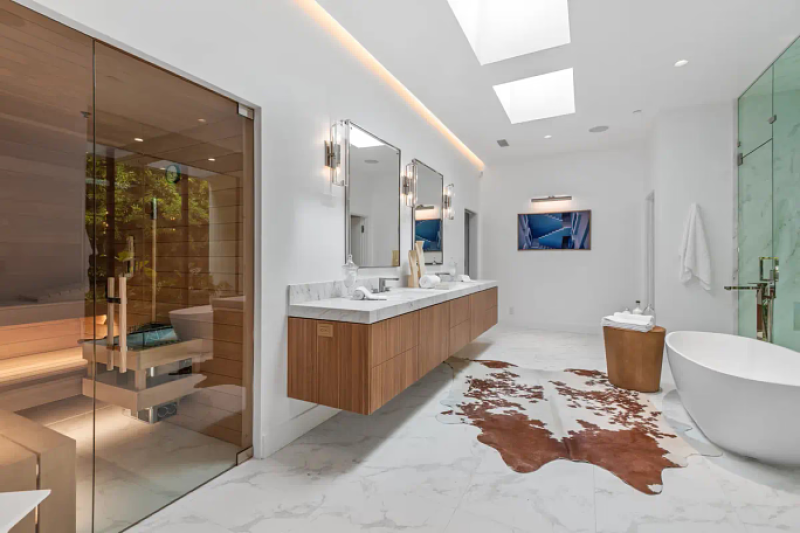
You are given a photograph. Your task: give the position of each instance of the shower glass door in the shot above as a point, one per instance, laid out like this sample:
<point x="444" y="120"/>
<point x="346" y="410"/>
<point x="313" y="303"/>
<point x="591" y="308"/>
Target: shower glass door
<point x="126" y="285"/>
<point x="769" y="194"/>
<point x="173" y="408"/>
<point x="786" y="196"/>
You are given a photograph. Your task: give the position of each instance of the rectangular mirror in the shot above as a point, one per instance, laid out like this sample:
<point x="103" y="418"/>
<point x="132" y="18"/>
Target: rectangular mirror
<point x="427" y="219"/>
<point x="372" y="198"/>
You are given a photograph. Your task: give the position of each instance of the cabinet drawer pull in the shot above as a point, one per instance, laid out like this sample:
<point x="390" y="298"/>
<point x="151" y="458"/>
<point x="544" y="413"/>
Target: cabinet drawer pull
<point x="325" y="330"/>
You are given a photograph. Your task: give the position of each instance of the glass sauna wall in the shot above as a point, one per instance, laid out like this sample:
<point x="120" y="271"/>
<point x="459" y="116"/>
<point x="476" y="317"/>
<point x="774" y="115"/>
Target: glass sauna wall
<point x="125" y="279"/>
<point x="769" y="193"/>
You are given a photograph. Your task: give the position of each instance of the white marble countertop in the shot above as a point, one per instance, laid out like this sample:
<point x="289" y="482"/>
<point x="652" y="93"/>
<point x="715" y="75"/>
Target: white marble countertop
<point x="401" y="300"/>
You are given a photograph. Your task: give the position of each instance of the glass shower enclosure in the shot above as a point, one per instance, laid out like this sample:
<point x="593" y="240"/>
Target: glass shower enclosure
<point x="769" y="194"/>
<point x="125" y="279"/>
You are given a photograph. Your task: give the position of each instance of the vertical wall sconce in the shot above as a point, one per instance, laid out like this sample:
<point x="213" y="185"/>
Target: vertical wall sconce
<point x="449" y="194"/>
<point x="410" y="184"/>
<point x="333" y="156"/>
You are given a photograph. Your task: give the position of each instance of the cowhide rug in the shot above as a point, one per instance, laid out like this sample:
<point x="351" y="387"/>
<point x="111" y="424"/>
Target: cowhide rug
<point x="533" y="417"/>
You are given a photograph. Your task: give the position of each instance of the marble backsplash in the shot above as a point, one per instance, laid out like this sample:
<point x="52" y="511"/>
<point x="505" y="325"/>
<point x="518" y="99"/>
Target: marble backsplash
<point x="310" y="292"/>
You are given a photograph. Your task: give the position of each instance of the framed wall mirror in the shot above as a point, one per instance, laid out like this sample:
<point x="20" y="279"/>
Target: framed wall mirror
<point x="372" y="197"/>
<point x="427" y="218"/>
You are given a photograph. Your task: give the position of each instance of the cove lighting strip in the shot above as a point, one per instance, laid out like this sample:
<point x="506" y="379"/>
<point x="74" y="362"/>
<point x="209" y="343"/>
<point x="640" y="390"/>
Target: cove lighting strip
<point x="326" y="20"/>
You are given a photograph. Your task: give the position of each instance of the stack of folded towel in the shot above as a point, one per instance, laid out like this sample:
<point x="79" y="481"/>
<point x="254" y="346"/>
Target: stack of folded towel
<point x="627" y="320"/>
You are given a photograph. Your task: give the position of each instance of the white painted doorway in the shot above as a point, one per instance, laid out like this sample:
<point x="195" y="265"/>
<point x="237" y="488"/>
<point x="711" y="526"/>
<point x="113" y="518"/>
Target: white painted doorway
<point x="470" y="243"/>
<point x="359" y="248"/>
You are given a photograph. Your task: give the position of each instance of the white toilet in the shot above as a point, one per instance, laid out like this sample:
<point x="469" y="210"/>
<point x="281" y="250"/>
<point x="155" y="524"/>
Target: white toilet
<point x="193" y="322"/>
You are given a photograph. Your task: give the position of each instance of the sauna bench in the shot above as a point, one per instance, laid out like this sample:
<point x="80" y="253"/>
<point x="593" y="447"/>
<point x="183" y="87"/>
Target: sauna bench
<point x="357" y="355"/>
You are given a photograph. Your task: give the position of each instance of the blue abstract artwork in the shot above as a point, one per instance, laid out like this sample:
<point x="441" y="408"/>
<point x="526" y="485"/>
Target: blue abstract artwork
<point x="555" y="231"/>
<point x="430" y="233"/>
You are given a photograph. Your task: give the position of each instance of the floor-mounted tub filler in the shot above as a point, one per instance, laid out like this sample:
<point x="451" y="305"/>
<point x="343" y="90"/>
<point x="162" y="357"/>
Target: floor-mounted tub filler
<point x="743" y="393"/>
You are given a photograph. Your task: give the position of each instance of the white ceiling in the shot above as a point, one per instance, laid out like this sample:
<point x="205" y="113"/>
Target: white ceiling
<point x="623" y="53"/>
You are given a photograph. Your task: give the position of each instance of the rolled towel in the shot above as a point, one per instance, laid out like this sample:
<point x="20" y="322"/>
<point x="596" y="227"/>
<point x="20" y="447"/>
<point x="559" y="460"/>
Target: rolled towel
<point x="429" y="281"/>
<point x="464" y="278"/>
<point x="363" y="293"/>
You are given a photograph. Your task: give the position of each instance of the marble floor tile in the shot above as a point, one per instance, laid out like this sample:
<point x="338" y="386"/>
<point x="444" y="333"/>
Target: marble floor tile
<point x="401" y="469"/>
<point x="557" y="498"/>
<point x="692" y="502"/>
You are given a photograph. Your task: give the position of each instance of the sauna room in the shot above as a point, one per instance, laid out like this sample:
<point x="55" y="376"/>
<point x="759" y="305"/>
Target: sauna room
<point x="125" y="370"/>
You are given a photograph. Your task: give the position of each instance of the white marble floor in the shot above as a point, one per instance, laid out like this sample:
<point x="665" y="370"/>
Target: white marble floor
<point x="402" y="470"/>
<point x="139" y="468"/>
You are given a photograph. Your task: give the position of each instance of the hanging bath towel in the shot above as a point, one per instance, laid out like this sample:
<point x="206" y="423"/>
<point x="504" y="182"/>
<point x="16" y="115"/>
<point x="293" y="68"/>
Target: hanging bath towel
<point x="695" y="256"/>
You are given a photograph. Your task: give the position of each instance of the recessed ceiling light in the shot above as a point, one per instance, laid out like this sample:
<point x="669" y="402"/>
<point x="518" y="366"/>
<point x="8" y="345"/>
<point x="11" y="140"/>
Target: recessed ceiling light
<point x="545" y="96"/>
<point x="682" y="63"/>
<point x="598" y="129"/>
<point x="548" y="136"/>
<point x="138" y="139"/>
<point x="201" y="120"/>
<point x="360" y="139"/>
<point x="501" y="30"/>
<point x="211" y="159"/>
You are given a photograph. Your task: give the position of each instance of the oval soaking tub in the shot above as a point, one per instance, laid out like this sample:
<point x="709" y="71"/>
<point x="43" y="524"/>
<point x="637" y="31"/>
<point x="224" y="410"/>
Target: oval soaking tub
<point x="743" y="393"/>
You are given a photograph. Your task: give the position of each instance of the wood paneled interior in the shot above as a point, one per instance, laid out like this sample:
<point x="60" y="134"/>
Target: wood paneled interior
<point x="56" y="456"/>
<point x="202" y="245"/>
<point x="17" y="474"/>
<point x="218" y="405"/>
<point x="359" y="368"/>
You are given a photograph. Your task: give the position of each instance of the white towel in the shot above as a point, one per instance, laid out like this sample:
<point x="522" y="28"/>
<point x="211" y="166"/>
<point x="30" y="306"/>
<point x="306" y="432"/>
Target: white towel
<point x="695" y="256"/>
<point x="627" y="320"/>
<point x="464" y="278"/>
<point x="429" y="281"/>
<point x="606" y="323"/>
<point x="630" y="318"/>
<point x="363" y="293"/>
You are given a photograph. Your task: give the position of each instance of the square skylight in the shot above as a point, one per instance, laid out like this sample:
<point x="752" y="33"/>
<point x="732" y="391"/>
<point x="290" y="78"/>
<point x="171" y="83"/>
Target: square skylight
<point x="502" y="29"/>
<point x="545" y="96"/>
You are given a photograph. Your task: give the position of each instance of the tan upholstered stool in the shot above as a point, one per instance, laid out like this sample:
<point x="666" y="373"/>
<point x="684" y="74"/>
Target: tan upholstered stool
<point x="634" y="358"/>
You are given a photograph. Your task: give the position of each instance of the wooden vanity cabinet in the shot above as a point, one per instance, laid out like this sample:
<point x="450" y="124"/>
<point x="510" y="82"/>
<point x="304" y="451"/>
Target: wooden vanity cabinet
<point x="360" y="367"/>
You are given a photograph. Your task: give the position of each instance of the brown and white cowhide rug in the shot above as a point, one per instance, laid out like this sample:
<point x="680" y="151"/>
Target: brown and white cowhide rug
<point x="533" y="417"/>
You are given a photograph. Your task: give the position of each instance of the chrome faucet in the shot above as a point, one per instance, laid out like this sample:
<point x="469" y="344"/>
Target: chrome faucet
<point x="766" y="292"/>
<point x="382" y="284"/>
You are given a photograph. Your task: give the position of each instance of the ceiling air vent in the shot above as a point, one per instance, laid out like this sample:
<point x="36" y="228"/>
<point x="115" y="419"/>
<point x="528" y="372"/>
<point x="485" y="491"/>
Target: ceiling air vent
<point x="503" y="143"/>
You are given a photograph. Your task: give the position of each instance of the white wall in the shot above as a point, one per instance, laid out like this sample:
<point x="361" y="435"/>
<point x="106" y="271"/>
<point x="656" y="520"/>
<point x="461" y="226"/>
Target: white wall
<point x="566" y="290"/>
<point x="274" y="55"/>
<point x="692" y="160"/>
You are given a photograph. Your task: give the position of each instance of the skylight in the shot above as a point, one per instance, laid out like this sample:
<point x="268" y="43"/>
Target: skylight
<point x="545" y="96"/>
<point x="502" y="29"/>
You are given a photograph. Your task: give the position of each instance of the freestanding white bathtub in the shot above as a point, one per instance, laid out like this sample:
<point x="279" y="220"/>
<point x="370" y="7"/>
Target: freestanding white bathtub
<point x="743" y="393"/>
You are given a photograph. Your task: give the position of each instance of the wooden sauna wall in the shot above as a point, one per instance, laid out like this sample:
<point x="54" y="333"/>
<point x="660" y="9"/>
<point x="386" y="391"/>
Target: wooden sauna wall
<point x="199" y="253"/>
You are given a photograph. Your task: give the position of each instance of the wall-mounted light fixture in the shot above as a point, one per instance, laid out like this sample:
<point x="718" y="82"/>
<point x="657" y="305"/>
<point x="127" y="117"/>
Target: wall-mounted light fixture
<point x="558" y="198"/>
<point x="410" y="184"/>
<point x="449" y="194"/>
<point x="333" y="156"/>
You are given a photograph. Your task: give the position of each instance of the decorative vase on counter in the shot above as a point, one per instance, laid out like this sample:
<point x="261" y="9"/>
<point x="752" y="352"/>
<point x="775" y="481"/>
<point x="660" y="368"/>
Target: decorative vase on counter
<point x="350" y="270"/>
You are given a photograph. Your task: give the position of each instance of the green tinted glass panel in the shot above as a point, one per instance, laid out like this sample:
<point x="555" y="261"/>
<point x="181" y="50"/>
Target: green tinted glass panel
<point x="755" y="111"/>
<point x="786" y="190"/>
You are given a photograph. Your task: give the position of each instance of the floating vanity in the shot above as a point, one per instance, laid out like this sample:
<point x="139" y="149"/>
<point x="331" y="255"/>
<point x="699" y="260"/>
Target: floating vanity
<point x="358" y="355"/>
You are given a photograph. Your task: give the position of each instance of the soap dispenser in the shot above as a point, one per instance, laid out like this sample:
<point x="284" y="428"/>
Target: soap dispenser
<point x="350" y="270"/>
<point x="638" y="309"/>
